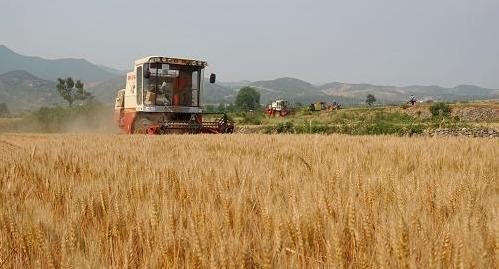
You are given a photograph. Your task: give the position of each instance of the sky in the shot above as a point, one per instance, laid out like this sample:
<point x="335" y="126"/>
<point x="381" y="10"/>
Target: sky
<point x="385" y="42"/>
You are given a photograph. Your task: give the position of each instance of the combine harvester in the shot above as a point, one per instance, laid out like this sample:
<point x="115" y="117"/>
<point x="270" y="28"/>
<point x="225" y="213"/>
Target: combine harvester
<point x="163" y="96"/>
<point x="278" y="108"/>
<point x="323" y="106"/>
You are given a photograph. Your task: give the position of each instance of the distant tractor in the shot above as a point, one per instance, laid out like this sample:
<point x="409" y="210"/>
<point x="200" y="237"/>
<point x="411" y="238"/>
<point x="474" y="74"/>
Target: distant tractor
<point x="318" y="106"/>
<point x="163" y="96"/>
<point x="323" y="106"/>
<point x="278" y="108"/>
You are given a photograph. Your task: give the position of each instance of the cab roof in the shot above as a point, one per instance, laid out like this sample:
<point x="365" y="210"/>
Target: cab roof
<point x="170" y="60"/>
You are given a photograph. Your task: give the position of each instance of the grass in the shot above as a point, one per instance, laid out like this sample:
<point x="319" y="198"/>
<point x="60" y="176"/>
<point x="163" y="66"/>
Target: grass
<point x="353" y="123"/>
<point x="248" y="201"/>
<point x="392" y="120"/>
<point x="377" y="120"/>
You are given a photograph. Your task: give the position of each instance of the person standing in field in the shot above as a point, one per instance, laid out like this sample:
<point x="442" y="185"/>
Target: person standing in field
<point x="412" y="100"/>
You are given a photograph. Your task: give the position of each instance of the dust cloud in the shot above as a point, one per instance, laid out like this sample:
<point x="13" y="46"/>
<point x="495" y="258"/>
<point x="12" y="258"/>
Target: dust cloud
<point x="100" y="121"/>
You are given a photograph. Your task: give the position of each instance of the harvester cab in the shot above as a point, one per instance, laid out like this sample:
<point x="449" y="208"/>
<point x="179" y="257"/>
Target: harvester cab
<point x="163" y="95"/>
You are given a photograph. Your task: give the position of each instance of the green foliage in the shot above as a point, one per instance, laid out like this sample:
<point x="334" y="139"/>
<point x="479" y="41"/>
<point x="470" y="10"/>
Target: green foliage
<point x="370" y="99"/>
<point x="251" y="118"/>
<point x="378" y="128"/>
<point x="387" y="123"/>
<point x="4" y="110"/>
<point x="395" y="117"/>
<point x="440" y="110"/>
<point x="355" y="123"/>
<point x="372" y="121"/>
<point x="286" y="127"/>
<point x="71" y="91"/>
<point x="248" y="98"/>
<point x="316" y="128"/>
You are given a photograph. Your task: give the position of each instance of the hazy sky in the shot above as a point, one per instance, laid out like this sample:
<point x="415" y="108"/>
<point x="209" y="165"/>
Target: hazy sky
<point x="400" y="42"/>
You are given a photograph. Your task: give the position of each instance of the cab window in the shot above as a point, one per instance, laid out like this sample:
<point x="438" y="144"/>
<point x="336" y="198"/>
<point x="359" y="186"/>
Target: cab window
<point x="139" y="85"/>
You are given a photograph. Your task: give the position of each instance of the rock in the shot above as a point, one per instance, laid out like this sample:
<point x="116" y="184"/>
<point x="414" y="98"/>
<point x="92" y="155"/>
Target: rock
<point x="477" y="114"/>
<point x="468" y="132"/>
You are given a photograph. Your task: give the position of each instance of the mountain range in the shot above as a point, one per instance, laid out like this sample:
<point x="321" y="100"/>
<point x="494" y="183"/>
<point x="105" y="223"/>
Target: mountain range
<point x="296" y="90"/>
<point x="22" y="91"/>
<point x="52" y="69"/>
<point x="28" y="82"/>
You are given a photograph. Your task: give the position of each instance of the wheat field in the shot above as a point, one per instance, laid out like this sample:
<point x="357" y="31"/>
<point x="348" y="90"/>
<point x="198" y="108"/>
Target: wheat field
<point x="248" y="201"/>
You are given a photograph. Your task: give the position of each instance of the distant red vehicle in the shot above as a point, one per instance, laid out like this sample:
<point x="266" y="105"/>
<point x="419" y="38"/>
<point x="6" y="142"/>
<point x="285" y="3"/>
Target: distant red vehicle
<point x="278" y="108"/>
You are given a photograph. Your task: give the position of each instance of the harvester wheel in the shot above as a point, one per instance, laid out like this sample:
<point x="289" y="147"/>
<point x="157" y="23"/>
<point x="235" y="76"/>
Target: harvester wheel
<point x="224" y="127"/>
<point x="283" y="113"/>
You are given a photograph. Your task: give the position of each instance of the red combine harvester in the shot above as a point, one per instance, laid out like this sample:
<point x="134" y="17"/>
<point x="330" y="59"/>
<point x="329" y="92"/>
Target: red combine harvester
<point x="162" y="96"/>
<point x="278" y="108"/>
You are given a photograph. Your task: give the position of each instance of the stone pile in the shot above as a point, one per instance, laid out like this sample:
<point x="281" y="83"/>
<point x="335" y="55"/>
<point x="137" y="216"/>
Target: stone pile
<point x="469" y="132"/>
<point x="477" y="114"/>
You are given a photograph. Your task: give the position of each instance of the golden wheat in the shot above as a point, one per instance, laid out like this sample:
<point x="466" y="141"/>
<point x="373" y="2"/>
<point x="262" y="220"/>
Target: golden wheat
<point x="248" y="201"/>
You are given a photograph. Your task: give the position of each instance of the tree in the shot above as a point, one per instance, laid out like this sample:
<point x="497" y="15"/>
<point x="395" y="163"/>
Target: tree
<point x="370" y="99"/>
<point x="71" y="91"/>
<point x="4" y="111"/>
<point x="440" y="110"/>
<point x="248" y="98"/>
